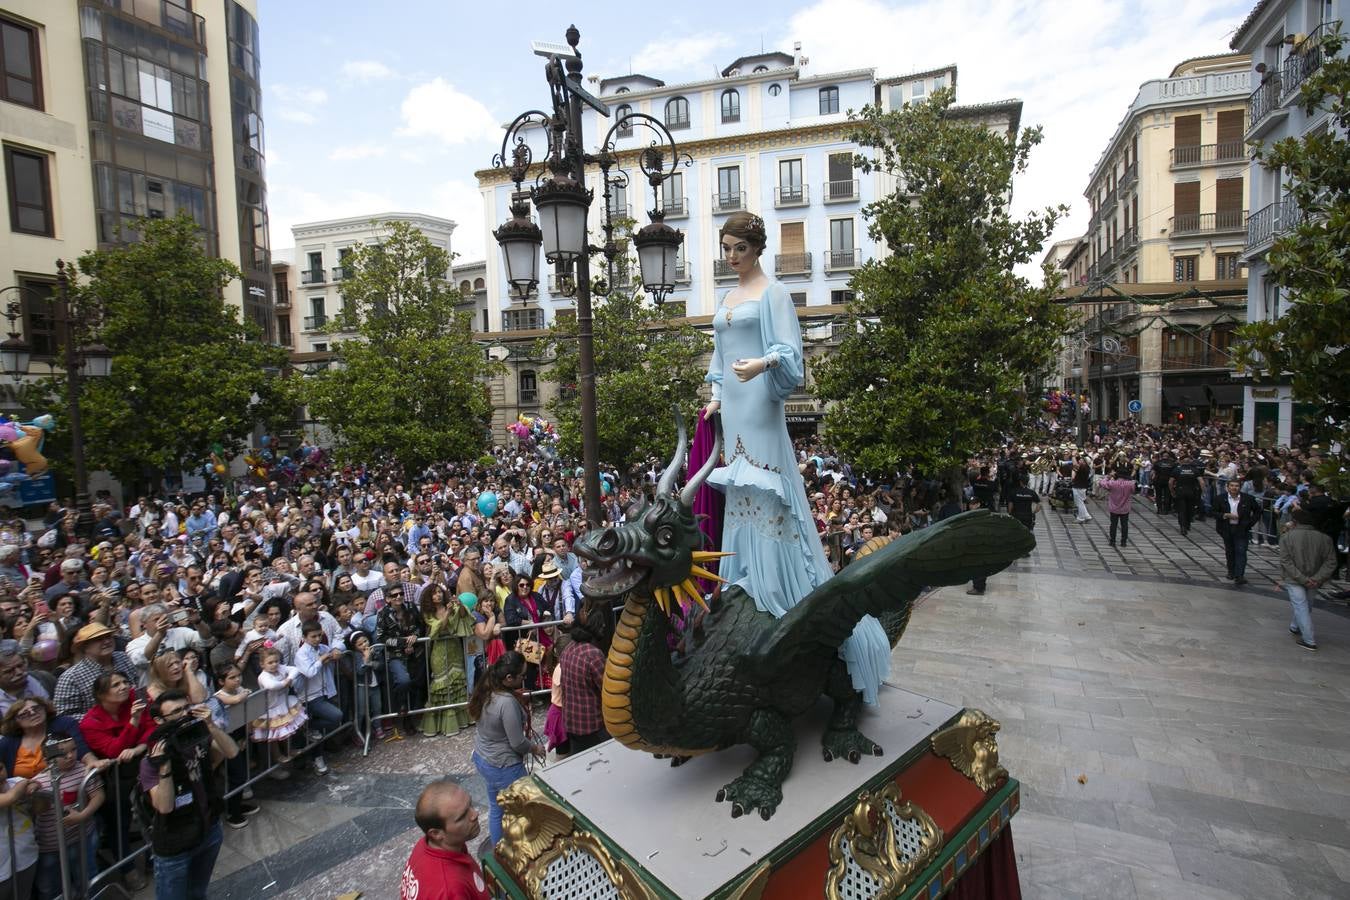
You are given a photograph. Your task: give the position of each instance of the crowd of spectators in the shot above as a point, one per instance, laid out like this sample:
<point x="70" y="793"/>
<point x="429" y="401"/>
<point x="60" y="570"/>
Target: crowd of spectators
<point x="373" y="598"/>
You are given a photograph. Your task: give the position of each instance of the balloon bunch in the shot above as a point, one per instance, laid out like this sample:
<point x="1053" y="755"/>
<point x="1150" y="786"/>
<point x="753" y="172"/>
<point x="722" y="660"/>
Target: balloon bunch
<point x="536" y="433"/>
<point x="24" y="440"/>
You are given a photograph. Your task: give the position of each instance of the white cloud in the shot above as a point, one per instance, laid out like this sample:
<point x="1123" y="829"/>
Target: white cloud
<point x="294" y="93"/>
<point x="687" y="55"/>
<point x="436" y="109"/>
<point x="289" y="205"/>
<point x="459" y="201"/>
<point x="366" y="70"/>
<point x="1077" y="66"/>
<point x="365" y="150"/>
<point x="299" y="116"/>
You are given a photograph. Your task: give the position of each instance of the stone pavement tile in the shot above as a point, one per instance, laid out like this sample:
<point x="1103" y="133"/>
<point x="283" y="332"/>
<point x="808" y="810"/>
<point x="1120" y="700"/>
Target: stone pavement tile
<point x="1039" y="828"/>
<point x="1145" y="770"/>
<point x="1236" y="787"/>
<point x="1243" y="877"/>
<point x="1136" y="851"/>
<point x="375" y="872"/>
<point x="1050" y="871"/>
<point x="1187" y="804"/>
<point x="1107" y="788"/>
<point x="1175" y="828"/>
<point x="1090" y="739"/>
<point x="1087" y="704"/>
<point x="1050" y="715"/>
<point x="1150" y="886"/>
<point x="1276" y="849"/>
<point x="1302" y="825"/>
<point x="1339" y="860"/>
<point x="1077" y="809"/>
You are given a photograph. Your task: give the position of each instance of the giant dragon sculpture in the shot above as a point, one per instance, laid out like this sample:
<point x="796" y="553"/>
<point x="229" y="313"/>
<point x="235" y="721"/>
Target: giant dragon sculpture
<point x="748" y="674"/>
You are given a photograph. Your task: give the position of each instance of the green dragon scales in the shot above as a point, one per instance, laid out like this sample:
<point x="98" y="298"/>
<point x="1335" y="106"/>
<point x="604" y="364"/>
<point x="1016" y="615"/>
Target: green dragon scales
<point x="748" y="674"/>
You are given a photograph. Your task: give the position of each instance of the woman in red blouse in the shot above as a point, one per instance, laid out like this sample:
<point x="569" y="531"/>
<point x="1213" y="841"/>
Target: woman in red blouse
<point x="117" y="726"/>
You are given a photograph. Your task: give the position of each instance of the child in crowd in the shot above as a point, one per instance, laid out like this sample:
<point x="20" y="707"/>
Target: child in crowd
<point x="285" y="716"/>
<point x="262" y="631"/>
<point x="554" y="730"/>
<point x="368" y="661"/>
<point x="49" y="864"/>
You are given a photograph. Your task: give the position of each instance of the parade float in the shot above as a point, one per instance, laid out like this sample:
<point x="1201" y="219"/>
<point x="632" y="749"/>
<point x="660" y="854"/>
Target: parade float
<point x="702" y="793"/>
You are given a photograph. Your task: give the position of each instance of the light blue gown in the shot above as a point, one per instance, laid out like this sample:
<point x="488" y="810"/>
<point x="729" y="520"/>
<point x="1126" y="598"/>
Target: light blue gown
<point x="778" y="558"/>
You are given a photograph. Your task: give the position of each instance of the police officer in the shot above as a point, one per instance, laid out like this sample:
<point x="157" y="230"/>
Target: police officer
<point x="1185" y="486"/>
<point x="1163" y="469"/>
<point x="1024" y="503"/>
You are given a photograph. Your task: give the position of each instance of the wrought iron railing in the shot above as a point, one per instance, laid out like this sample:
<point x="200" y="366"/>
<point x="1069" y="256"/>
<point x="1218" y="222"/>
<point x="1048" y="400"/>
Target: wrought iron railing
<point x="1208" y="223"/>
<point x="840" y="191"/>
<point x="1207" y="154"/>
<point x="311" y="276"/>
<point x="728" y="201"/>
<point x="790" y="195"/>
<point x="1264" y="100"/>
<point x="841" y="259"/>
<point x="1304" y="58"/>
<point x="792" y="263"/>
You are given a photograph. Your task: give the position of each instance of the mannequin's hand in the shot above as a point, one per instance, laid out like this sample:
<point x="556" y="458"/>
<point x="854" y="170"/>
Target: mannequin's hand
<point x="747" y="369"/>
<point x="711" y="409"/>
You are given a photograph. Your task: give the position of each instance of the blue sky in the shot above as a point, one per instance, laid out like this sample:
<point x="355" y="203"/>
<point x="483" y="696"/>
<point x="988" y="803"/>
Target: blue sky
<point x="393" y="106"/>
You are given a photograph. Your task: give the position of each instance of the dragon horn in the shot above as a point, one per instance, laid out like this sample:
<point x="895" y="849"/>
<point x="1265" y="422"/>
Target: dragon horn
<point x="667" y="483"/>
<point x="690" y="489"/>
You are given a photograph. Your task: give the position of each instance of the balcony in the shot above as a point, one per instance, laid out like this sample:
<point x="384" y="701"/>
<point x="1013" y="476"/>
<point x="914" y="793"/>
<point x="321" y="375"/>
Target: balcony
<point x="311" y="276"/>
<point x="1264" y="101"/>
<point x="728" y="201"/>
<point x="1128" y="242"/>
<point x="619" y="210"/>
<point x="677" y="123"/>
<point x="283" y="300"/>
<point x="1269" y="222"/>
<point x="675" y="207"/>
<point x="1207" y="154"/>
<point x="792" y="264"/>
<point x="342" y="273"/>
<point x="841" y="191"/>
<point x="1305" y="58"/>
<point x="1128" y="178"/>
<point x="522" y="319"/>
<point x="1110" y="202"/>
<point x="682" y="273"/>
<point x="722" y="269"/>
<point x="1106" y="259"/>
<point x="529" y="397"/>
<point x="842" y="260"/>
<point x="790" y="195"/>
<point x="1205" y="358"/>
<point x="565" y="285"/>
<point x="286" y="340"/>
<point x="314" y="323"/>
<point x="1188" y="224"/>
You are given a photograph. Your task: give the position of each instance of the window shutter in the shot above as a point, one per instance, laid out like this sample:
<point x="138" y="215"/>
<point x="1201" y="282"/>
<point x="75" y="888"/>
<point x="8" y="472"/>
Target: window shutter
<point x="1228" y="194"/>
<point x="1232" y="124"/>
<point x="1186" y="131"/>
<point x="792" y="237"/>
<point x="1186" y="198"/>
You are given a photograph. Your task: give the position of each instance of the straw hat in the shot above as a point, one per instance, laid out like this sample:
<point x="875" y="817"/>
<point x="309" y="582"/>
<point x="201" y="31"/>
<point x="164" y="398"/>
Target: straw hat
<point x="550" y="570"/>
<point x="91" y="632"/>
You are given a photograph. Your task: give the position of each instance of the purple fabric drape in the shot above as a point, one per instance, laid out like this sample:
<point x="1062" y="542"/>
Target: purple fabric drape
<point x="708" y="501"/>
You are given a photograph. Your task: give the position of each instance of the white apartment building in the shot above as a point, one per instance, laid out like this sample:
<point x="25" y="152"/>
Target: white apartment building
<point x="764" y="136"/>
<point x="308" y="278"/>
<point x="1283" y="38"/>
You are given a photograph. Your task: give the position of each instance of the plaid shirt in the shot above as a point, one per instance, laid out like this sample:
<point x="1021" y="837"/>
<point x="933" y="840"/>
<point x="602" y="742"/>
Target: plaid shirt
<point x="583" y="672"/>
<point x="75" y="688"/>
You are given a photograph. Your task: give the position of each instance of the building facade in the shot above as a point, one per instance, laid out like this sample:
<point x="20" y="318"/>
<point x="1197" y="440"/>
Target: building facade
<point x="1283" y="40"/>
<point x="765" y="136"/>
<point x="110" y="112"/>
<point x="1159" y="271"/>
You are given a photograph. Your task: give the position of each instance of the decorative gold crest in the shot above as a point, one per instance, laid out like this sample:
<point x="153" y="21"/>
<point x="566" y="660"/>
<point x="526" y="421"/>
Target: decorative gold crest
<point x="874" y="845"/>
<point x="531" y="823"/>
<point x="971" y="747"/>
<point x="629" y="886"/>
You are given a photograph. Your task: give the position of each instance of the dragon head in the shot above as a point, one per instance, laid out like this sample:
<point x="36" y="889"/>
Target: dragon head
<point x="657" y="550"/>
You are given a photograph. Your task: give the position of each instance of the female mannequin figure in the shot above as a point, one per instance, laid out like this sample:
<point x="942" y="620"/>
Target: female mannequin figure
<point x="777" y="555"/>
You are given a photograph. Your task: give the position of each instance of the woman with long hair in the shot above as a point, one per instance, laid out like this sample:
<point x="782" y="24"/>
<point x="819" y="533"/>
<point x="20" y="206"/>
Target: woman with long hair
<point x="503" y="738"/>
<point x="168" y="672"/>
<point x="449" y="621"/>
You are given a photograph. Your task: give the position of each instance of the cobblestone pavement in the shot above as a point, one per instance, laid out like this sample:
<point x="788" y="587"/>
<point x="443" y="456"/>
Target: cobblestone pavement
<point x="1171" y="739"/>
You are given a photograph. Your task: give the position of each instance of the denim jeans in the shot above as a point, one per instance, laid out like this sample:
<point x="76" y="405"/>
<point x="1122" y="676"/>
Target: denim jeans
<point x="324" y="715"/>
<point x="1302" y="617"/>
<point x="48" y="881"/>
<point x="369" y="704"/>
<point x="497" y="778"/>
<point x="186" y="876"/>
<point x="397" y="681"/>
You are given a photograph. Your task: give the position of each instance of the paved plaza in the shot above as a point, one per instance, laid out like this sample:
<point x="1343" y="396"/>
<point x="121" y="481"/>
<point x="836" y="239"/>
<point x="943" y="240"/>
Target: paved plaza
<point x="1171" y="739"/>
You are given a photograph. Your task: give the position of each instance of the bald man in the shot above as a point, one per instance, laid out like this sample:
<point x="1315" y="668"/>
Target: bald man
<point x="440" y="866"/>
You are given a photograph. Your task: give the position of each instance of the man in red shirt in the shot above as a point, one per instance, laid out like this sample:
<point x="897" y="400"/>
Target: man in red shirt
<point x="440" y="866"/>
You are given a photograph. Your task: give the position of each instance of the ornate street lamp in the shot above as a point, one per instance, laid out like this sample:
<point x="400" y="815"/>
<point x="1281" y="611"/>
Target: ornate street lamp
<point x="563" y="202"/>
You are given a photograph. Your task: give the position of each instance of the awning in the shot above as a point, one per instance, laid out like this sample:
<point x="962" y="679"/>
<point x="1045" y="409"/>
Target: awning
<point x="1184" y="397"/>
<point x="1226" y="394"/>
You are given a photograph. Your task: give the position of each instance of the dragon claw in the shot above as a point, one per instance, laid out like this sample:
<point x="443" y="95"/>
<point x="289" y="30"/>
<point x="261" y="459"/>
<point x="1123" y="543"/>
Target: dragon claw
<point x="677" y="761"/>
<point x="829" y="757"/>
<point x="721" y="795"/>
<point x="847" y="743"/>
<point x="854" y="756"/>
<point x="748" y="793"/>
<point x="737" y="811"/>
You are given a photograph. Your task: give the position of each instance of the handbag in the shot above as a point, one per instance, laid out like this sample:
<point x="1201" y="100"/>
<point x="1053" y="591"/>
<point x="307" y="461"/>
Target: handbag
<point x="531" y="650"/>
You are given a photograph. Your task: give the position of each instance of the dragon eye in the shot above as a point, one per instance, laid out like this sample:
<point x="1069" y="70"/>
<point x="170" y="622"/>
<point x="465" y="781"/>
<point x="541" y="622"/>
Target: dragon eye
<point x="665" y="536"/>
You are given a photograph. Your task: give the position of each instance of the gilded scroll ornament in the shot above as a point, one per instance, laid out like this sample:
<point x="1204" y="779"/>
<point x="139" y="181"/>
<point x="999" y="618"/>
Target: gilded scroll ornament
<point x="971" y="747"/>
<point x="868" y="839"/>
<point x="625" y="881"/>
<point x="531" y="824"/>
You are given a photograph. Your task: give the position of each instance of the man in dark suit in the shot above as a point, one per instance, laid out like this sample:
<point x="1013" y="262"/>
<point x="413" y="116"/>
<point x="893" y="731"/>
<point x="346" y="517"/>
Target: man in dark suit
<point x="1236" y="513"/>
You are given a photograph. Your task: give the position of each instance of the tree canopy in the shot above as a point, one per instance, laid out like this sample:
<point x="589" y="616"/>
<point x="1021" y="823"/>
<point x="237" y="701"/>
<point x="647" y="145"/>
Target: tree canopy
<point x="944" y="340"/>
<point x="187" y="374"/>
<point x="409" y="382"/>
<point x="1308" y="344"/>
<point x="644" y="363"/>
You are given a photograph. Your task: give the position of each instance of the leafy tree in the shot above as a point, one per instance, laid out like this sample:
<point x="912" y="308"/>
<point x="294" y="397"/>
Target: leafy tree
<point x="410" y="386"/>
<point x="944" y="339"/>
<point x="187" y="374"/>
<point x="644" y="365"/>
<point x="1308" y="343"/>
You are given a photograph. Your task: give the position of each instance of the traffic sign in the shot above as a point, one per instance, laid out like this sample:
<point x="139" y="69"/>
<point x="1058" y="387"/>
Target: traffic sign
<point x="1136" y="406"/>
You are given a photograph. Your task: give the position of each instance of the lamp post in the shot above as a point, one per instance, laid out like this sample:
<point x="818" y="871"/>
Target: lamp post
<point x="562" y="200"/>
<point x="87" y="360"/>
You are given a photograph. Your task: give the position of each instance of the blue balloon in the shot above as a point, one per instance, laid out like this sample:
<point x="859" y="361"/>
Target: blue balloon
<point x="487" y="503"/>
<point x="265" y="439"/>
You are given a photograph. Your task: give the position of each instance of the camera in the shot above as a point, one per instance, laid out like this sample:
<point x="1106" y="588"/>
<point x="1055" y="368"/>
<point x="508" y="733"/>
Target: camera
<point x="179" y="616"/>
<point x="185" y="739"/>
